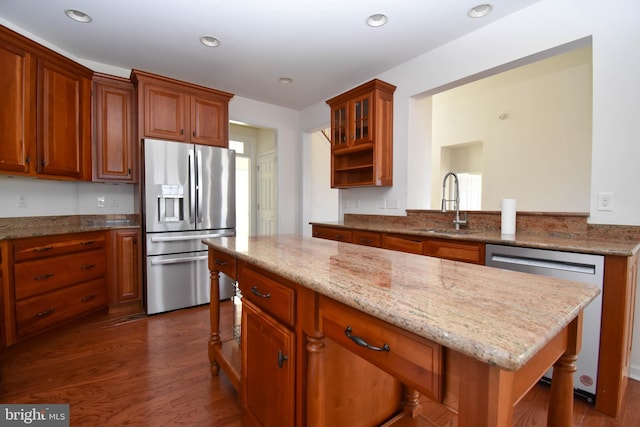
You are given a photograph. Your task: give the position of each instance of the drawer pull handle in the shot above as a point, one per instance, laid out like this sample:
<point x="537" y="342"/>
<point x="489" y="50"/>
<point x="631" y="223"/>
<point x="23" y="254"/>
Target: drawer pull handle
<point x="363" y="240"/>
<point x="256" y="292"/>
<point x="281" y="358"/>
<point x="88" y="298"/>
<point x="87" y="266"/>
<point x="363" y="343"/>
<point x="43" y="249"/>
<point x="220" y="262"/>
<point x="88" y="242"/>
<point x="46" y="312"/>
<point x="42" y="277"/>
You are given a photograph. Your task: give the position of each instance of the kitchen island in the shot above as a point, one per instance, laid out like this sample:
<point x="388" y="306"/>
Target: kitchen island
<point x="472" y="339"/>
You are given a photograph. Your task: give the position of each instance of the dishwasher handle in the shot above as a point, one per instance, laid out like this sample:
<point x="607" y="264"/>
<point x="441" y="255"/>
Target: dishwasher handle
<point x="544" y="263"/>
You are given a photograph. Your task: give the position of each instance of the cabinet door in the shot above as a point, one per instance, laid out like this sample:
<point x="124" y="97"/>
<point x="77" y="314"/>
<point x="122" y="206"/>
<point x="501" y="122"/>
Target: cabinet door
<point x="126" y="257"/>
<point x="164" y="113"/>
<point x="16" y="111"/>
<point x="268" y="370"/>
<point x="360" y="119"/>
<point x="209" y="122"/>
<point x="64" y="116"/>
<point x="339" y="137"/>
<point x="114" y="131"/>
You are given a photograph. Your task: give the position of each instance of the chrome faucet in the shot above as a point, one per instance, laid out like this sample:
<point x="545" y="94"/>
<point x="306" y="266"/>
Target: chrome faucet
<point x="456" y="201"/>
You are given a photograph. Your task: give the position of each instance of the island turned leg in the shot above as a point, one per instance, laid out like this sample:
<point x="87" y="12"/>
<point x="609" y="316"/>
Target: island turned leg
<point x="411" y="401"/>
<point x="214" y="317"/>
<point x="561" y="400"/>
<point x="315" y="386"/>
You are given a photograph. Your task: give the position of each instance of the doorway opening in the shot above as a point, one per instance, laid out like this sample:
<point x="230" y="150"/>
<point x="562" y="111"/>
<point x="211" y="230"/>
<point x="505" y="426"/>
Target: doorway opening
<point x="256" y="179"/>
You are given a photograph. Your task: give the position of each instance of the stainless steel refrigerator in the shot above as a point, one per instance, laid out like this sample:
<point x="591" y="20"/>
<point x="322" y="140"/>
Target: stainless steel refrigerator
<point x="188" y="195"/>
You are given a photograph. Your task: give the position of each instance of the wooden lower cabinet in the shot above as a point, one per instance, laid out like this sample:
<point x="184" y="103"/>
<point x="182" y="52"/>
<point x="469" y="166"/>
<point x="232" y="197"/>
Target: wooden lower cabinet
<point x="126" y="267"/>
<point x="455" y="250"/>
<point x="403" y="243"/>
<point x="54" y="279"/>
<point x="616" y="332"/>
<point x="367" y="238"/>
<point x="332" y="233"/>
<point x="49" y="280"/>
<point x="268" y="370"/>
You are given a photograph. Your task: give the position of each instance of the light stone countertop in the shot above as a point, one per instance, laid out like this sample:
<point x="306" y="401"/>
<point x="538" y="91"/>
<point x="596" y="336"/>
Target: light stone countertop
<point x="581" y="244"/>
<point x="496" y="316"/>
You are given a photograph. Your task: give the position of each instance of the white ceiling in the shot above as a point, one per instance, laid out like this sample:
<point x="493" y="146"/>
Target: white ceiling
<point x="323" y="45"/>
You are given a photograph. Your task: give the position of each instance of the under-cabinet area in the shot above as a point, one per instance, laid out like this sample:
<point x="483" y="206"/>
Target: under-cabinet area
<point x="324" y="323"/>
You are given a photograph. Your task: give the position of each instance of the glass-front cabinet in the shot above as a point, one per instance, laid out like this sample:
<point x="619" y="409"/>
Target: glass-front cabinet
<point x="362" y="136"/>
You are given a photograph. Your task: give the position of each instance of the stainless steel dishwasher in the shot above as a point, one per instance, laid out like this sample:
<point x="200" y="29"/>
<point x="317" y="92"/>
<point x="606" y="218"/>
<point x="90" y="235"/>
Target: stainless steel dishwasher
<point x="584" y="268"/>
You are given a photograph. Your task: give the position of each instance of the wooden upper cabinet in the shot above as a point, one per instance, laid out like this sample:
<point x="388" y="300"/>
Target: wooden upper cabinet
<point x="17" y="114"/>
<point x="46" y="114"/>
<point x="179" y="111"/>
<point x="209" y="120"/>
<point x="362" y="136"/>
<point x="114" y="129"/>
<point x="64" y="122"/>
<point x="164" y="113"/>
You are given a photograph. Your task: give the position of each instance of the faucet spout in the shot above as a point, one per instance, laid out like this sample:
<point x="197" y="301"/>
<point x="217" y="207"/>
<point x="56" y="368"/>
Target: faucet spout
<point x="456" y="200"/>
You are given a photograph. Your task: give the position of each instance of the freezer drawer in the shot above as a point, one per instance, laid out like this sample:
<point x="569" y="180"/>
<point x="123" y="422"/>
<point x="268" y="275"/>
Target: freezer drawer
<point x="180" y="281"/>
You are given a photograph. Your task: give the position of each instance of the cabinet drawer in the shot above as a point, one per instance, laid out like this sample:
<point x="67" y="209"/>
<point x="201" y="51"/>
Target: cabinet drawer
<point x="276" y="299"/>
<point x="332" y="233"/>
<point x="47" y="274"/>
<point x="222" y="262"/>
<point x="39" y="247"/>
<point x="413" y="360"/>
<point x="403" y="243"/>
<point x="38" y="313"/>
<point x="458" y="251"/>
<point x="367" y="238"/>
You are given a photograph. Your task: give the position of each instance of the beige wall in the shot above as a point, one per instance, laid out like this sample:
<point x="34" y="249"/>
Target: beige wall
<point x="534" y="124"/>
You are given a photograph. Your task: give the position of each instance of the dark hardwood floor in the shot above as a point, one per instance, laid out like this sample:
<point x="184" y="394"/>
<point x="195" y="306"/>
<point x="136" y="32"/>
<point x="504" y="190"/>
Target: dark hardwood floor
<point x="154" y="371"/>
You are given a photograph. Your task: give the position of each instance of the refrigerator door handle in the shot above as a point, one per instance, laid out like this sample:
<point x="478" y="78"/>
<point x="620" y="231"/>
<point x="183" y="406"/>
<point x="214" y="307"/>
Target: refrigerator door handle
<point x="192" y="187"/>
<point x="199" y="186"/>
<point x="178" y="260"/>
<point x="159" y="239"/>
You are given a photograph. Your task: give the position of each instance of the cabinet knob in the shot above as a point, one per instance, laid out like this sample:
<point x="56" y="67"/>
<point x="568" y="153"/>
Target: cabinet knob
<point x="181" y="131"/>
<point x="194" y="133"/>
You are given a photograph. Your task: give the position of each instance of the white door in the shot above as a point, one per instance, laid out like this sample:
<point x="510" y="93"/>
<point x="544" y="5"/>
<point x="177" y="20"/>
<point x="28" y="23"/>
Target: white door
<point x="267" y="188"/>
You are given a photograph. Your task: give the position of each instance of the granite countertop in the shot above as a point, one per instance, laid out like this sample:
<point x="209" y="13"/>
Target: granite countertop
<point x="17" y="228"/>
<point x="598" y="245"/>
<point x="496" y="316"/>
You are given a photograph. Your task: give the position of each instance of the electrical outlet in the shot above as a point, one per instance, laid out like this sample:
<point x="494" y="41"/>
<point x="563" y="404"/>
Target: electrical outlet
<point x="605" y="201"/>
<point x="22" y="201"/>
<point x="381" y="203"/>
<point x="392" y="204"/>
<point x="115" y="202"/>
<point x="100" y="201"/>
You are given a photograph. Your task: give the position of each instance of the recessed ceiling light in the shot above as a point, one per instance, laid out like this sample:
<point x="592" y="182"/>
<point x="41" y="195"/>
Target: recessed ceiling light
<point x="377" y="20"/>
<point x="77" y="15"/>
<point x="480" y="10"/>
<point x="210" y="41"/>
<point x="285" y="80"/>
